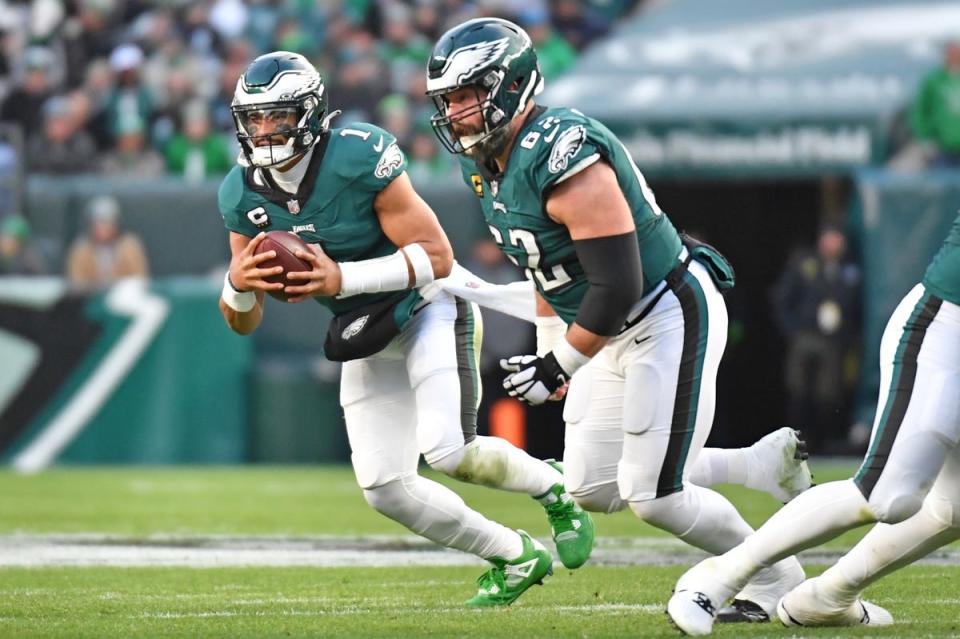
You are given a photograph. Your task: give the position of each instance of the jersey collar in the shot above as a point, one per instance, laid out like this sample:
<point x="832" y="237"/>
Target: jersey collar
<point x="270" y="191"/>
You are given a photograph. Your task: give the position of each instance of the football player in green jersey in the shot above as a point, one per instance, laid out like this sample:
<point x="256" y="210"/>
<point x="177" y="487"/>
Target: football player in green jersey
<point x="647" y="323"/>
<point x="409" y="383"/>
<point x="910" y="477"/>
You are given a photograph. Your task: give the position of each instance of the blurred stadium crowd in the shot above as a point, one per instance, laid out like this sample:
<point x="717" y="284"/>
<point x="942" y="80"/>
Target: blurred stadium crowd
<point x="143" y="88"/>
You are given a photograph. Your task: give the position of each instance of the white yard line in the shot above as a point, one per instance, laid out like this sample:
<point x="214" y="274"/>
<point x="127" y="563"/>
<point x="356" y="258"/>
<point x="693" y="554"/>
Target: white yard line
<point x="363" y="610"/>
<point x="380" y="551"/>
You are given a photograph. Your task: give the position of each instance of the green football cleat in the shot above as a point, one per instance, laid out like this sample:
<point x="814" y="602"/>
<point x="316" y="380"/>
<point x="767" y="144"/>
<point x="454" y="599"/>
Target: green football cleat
<point x="571" y="526"/>
<point x="507" y="580"/>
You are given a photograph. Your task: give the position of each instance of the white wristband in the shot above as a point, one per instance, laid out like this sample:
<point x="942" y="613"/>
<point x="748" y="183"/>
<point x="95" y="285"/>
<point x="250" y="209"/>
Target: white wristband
<point x="388" y="273"/>
<point x="241" y="302"/>
<point x="569" y="358"/>
<point x="420" y="261"/>
<point x="550" y="330"/>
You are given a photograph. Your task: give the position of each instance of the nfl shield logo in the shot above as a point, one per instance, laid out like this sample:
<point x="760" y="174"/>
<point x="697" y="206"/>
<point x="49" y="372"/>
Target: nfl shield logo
<point x="293" y="206"/>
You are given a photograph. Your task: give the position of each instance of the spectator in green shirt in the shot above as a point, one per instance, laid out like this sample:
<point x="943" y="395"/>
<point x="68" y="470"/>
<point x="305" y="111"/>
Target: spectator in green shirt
<point x="935" y="115"/>
<point x="196" y="152"/>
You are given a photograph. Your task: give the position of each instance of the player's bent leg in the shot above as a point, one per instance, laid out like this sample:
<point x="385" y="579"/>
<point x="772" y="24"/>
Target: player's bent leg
<point x="705" y="519"/>
<point x="908" y="362"/>
<point x="699" y="516"/>
<point x="775" y="464"/>
<point x="833" y="598"/>
<point x="383" y="413"/>
<point x="507" y="580"/>
<point x="593" y="443"/>
<point x="440" y="515"/>
<point x="442" y="363"/>
<point x="442" y="360"/>
<point x="825" y="510"/>
<point x="911" y="469"/>
<point x="437" y="513"/>
<point x="669" y="406"/>
<point x="494" y="462"/>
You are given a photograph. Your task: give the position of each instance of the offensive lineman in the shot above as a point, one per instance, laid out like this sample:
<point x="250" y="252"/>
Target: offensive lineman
<point x="648" y="325"/>
<point x="910" y="477"/>
<point x="409" y="383"/>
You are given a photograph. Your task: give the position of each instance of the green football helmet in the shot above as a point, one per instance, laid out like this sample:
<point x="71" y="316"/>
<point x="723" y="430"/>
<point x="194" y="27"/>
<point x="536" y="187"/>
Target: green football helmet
<point x="490" y="54"/>
<point x="283" y="89"/>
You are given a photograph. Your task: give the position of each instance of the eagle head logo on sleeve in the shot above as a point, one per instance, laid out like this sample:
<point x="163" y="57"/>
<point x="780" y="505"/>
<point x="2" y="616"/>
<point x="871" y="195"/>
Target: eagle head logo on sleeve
<point x="567" y="145"/>
<point x="391" y="160"/>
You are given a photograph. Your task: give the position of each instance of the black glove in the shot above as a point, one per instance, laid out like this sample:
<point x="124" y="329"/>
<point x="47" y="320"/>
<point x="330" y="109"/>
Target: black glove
<point x="533" y="379"/>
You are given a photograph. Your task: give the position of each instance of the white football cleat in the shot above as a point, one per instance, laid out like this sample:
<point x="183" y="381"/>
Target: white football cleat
<point x="806" y="606"/>
<point x="698" y="596"/>
<point x="757" y="602"/>
<point x="780" y="464"/>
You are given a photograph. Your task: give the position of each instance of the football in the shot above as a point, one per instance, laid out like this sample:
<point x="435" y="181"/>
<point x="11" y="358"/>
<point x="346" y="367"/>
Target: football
<point x="284" y="243"/>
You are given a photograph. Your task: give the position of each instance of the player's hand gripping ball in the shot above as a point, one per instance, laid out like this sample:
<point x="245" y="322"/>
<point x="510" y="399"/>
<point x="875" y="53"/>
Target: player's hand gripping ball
<point x="285" y="244"/>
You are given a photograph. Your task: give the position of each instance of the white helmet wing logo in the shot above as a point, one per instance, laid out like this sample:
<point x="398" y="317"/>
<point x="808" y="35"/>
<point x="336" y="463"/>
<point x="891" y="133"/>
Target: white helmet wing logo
<point x="567" y="145"/>
<point x="285" y="86"/>
<point x="462" y="63"/>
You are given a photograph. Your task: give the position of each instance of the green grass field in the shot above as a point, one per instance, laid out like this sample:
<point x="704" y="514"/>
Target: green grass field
<point x="188" y="507"/>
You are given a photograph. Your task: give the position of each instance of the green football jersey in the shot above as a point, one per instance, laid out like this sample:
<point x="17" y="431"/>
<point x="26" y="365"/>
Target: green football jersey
<point x="943" y="275"/>
<point x="333" y="206"/>
<point x="552" y="145"/>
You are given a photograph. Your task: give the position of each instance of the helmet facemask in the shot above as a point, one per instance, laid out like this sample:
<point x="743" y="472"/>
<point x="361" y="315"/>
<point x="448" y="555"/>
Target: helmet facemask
<point x="274" y="133"/>
<point x="279" y="109"/>
<point x="491" y="115"/>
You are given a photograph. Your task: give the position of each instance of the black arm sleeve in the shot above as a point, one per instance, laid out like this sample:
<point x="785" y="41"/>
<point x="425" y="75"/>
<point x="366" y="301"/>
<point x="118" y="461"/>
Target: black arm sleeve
<point x="613" y="268"/>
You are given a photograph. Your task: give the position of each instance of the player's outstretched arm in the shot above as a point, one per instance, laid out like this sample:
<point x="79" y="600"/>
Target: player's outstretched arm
<point x="241" y="301"/>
